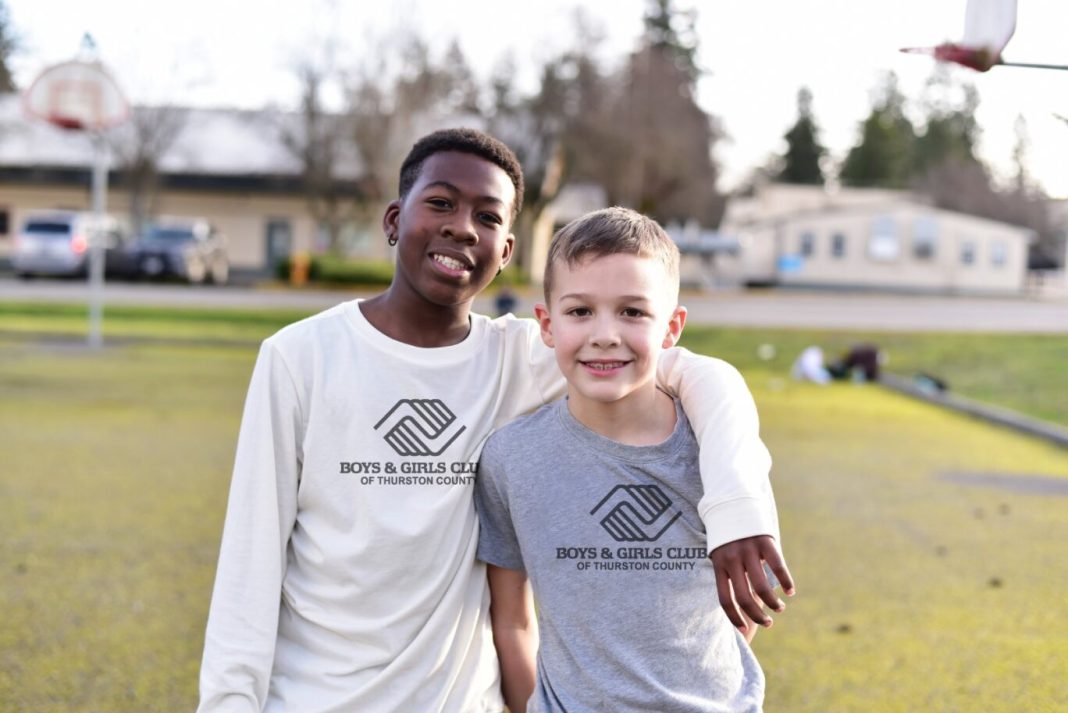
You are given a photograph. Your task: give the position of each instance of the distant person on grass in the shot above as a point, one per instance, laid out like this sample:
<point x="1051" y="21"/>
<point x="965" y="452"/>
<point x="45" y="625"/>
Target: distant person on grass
<point x="347" y="578"/>
<point x="595" y="498"/>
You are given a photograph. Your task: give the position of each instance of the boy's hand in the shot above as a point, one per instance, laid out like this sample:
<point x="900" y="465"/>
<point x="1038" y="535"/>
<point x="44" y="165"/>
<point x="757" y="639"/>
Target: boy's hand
<point x="739" y="568"/>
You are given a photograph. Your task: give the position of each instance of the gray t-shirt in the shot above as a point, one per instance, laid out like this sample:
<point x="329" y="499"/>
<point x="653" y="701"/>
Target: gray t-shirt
<point x="610" y="537"/>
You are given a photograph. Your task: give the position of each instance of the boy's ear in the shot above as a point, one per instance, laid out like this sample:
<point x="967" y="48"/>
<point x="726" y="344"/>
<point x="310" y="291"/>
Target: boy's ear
<point x="390" y="219"/>
<point x="675" y="325"/>
<point x="541" y="313"/>
<point x="509" y="246"/>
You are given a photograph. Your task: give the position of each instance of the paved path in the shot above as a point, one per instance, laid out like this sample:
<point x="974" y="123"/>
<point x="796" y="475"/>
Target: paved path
<point x="765" y="308"/>
<point x="878" y="312"/>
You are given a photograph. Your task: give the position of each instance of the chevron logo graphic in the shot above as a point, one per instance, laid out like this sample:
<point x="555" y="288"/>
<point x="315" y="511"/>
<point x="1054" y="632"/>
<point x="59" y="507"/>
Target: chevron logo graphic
<point x="419" y="427"/>
<point x="636" y="513"/>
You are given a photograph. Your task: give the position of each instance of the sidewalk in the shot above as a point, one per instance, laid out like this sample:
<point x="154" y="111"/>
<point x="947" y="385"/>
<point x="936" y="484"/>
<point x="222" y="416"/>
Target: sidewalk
<point x="735" y="308"/>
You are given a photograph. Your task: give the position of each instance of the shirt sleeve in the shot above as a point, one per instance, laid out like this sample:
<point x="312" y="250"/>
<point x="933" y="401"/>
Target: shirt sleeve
<point x="535" y="377"/>
<point x="738" y="501"/>
<point x="542" y="359"/>
<point x="242" y="627"/>
<point x="497" y="541"/>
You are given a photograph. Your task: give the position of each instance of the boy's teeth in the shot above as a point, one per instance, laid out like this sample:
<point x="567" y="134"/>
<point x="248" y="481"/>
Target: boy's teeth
<point x="450" y="262"/>
<point x="604" y="366"/>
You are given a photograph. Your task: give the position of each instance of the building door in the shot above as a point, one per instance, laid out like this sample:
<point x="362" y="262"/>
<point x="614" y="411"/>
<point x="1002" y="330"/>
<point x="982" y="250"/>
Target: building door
<point x="279" y="242"/>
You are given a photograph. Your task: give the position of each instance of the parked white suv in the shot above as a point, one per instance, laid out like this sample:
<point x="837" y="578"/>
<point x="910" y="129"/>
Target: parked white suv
<point x="57" y="243"/>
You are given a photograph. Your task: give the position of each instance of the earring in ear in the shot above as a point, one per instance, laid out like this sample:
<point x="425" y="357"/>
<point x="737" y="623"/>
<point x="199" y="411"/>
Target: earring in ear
<point x="392" y="240"/>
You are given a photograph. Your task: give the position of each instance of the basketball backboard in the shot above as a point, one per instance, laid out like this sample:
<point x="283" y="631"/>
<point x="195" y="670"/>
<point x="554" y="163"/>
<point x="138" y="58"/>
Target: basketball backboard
<point x="77" y="95"/>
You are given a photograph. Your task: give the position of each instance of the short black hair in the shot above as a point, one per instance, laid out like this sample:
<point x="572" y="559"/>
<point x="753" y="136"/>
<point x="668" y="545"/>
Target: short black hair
<point x="464" y="140"/>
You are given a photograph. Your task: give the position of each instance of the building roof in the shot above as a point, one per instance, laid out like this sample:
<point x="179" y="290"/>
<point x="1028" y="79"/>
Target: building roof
<point x="778" y="204"/>
<point x="209" y="142"/>
<point x="777" y="200"/>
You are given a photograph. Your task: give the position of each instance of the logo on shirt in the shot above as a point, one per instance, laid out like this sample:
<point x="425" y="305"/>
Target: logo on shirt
<point x="636" y="513"/>
<point x="420" y="427"/>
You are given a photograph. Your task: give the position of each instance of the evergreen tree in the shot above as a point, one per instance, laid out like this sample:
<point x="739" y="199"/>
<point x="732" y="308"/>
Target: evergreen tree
<point x="8" y="45"/>
<point x="966" y="186"/>
<point x="801" y="163"/>
<point x="884" y="157"/>
<point x="951" y="131"/>
<point x="671" y="33"/>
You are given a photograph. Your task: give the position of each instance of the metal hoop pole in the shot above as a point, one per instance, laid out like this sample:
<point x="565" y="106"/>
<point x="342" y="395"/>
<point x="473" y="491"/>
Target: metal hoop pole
<point x="97" y="239"/>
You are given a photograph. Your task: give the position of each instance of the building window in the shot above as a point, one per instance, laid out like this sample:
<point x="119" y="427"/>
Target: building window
<point x="924" y="239"/>
<point x="999" y="254"/>
<point x="884" y="245"/>
<point x="279" y="242"/>
<point x="808" y="244"/>
<point x="838" y="246"/>
<point x="967" y="252"/>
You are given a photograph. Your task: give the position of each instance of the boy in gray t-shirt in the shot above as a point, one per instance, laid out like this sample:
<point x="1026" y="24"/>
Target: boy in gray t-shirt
<point x="594" y="498"/>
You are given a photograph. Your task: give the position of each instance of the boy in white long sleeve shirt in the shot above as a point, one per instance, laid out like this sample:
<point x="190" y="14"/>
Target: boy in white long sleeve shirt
<point x="347" y="577"/>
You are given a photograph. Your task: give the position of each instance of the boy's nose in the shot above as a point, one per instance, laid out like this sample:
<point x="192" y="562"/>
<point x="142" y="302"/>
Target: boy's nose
<point x="604" y="333"/>
<point x="461" y="228"/>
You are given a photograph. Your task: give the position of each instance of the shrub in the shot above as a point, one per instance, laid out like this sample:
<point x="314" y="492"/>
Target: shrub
<point x="511" y="277"/>
<point x="336" y="270"/>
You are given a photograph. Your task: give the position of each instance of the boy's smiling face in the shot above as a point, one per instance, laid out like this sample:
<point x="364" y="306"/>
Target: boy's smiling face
<point x="453" y="228"/>
<point x="608" y="319"/>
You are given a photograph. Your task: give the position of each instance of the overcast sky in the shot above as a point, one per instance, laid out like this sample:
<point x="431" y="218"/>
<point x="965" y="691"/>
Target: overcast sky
<point x="757" y="52"/>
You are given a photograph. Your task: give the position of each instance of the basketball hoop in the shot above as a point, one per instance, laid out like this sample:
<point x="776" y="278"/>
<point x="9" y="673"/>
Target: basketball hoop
<point x="81" y="96"/>
<point x="77" y="95"/>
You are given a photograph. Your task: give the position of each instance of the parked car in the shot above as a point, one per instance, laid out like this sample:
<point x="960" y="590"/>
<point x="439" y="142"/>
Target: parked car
<point x="57" y="243"/>
<point x="189" y="249"/>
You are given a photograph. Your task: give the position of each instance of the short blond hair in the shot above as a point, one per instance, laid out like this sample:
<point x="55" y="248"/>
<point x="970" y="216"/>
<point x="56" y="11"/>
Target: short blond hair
<point x="612" y="231"/>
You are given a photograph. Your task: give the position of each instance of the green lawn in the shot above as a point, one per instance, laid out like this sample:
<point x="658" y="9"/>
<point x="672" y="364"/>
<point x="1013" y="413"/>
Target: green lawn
<point x="111" y="504"/>
<point x="1021" y="372"/>
<point x="131" y="321"/>
<point x="914" y="593"/>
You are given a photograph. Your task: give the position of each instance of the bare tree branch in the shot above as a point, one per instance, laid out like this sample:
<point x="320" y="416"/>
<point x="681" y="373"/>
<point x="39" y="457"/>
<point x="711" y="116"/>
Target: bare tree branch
<point x="139" y="145"/>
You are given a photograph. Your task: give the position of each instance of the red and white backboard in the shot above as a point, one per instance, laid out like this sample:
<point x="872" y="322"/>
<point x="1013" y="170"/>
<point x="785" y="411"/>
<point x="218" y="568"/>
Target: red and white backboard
<point x="77" y="95"/>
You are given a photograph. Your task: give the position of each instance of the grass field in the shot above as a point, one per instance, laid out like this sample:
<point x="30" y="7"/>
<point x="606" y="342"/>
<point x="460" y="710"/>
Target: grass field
<point x="127" y="321"/>
<point x="915" y="593"/>
<point x="1021" y="372"/>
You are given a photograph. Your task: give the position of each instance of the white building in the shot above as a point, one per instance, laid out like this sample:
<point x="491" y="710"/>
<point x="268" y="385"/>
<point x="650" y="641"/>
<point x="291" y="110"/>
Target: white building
<point x="227" y="166"/>
<point x="864" y="238"/>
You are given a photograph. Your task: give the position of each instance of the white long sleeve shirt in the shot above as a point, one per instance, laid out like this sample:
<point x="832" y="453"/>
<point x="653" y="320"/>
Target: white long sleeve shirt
<point x="347" y="578"/>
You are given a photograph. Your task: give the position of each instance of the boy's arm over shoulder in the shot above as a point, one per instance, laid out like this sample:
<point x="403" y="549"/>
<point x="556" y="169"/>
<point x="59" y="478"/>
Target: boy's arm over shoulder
<point x="738" y="506"/>
<point x="242" y="628"/>
<point x="737" y="500"/>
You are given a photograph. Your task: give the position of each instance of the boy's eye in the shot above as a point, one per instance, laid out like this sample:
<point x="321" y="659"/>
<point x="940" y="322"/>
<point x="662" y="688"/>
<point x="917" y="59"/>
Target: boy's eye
<point x="438" y="202"/>
<point x="490" y="219"/>
<point x="579" y="312"/>
<point x="633" y="312"/>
